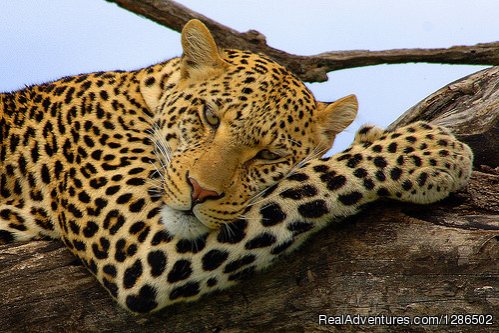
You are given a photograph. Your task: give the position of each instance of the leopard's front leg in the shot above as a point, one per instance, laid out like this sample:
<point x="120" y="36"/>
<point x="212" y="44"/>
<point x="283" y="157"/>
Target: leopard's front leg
<point x="418" y="163"/>
<point x="22" y="223"/>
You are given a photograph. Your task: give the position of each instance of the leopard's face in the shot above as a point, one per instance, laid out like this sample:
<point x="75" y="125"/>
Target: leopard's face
<point x="232" y="131"/>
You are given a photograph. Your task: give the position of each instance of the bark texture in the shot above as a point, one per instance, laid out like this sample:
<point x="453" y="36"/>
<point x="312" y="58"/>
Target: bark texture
<point x="309" y="68"/>
<point x="394" y="259"/>
<point x="470" y="108"/>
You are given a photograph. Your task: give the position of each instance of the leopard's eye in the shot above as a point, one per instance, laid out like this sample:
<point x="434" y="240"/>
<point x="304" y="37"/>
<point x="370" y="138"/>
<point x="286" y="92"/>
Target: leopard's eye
<point x="266" y="154"/>
<point x="210" y="116"/>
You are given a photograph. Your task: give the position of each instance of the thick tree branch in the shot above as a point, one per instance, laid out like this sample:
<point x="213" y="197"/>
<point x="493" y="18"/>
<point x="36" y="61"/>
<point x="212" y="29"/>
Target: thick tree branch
<point x="309" y="68"/>
<point x="470" y="108"/>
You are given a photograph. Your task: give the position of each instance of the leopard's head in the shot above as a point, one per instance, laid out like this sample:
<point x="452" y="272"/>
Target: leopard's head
<point x="230" y="124"/>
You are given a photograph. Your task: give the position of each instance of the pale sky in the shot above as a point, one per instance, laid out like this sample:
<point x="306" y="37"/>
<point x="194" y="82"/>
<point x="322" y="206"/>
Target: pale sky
<point x="44" y="40"/>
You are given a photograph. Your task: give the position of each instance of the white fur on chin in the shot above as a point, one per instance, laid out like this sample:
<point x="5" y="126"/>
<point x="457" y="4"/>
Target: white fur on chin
<point x="180" y="225"/>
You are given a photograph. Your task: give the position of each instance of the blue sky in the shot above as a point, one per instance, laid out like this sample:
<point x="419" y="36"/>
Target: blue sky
<point x="44" y="40"/>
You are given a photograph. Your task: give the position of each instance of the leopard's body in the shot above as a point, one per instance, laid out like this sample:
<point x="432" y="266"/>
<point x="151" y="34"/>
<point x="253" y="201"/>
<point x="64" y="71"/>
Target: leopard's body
<point x="184" y="177"/>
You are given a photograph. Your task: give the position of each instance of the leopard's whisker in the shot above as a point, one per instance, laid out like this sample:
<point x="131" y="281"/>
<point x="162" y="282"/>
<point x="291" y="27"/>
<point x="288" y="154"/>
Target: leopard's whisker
<point x="154" y="186"/>
<point x="228" y="229"/>
<point x="159" y="173"/>
<point x="162" y="148"/>
<point x="246" y="218"/>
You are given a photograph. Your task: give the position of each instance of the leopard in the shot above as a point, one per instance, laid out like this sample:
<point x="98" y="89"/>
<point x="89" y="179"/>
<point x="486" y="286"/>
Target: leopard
<point x="185" y="177"/>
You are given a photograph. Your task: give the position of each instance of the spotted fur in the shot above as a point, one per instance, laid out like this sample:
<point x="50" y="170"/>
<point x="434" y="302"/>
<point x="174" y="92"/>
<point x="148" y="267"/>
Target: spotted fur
<point x="185" y="177"/>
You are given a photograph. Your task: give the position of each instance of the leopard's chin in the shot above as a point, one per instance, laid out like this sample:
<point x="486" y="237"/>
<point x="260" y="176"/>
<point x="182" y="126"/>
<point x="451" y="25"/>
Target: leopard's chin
<point x="182" y="224"/>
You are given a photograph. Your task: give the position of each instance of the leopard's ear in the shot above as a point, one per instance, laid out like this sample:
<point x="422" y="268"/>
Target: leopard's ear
<point x="201" y="57"/>
<point x="334" y="117"/>
<point x="200" y="61"/>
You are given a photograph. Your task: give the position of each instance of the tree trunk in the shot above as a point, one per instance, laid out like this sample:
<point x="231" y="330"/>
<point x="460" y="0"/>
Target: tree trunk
<point x="393" y="260"/>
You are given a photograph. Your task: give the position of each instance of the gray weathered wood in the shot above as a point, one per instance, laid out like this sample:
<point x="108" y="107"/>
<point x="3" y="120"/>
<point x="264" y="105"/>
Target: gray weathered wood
<point x="393" y="259"/>
<point x="470" y="108"/>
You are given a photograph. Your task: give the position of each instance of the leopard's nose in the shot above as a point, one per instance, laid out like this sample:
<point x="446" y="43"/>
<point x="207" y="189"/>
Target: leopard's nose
<point x="200" y="194"/>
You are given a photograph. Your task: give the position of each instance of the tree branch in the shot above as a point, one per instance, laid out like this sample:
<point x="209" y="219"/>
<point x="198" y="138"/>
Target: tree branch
<point x="309" y="68"/>
<point x="470" y="110"/>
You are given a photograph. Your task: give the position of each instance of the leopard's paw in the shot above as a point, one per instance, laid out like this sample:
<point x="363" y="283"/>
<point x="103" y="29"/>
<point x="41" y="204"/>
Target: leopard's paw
<point x="435" y="164"/>
<point x="367" y="134"/>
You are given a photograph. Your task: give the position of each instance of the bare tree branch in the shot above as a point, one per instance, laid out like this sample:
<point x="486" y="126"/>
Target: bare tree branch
<point x="309" y="68"/>
<point x="478" y="126"/>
